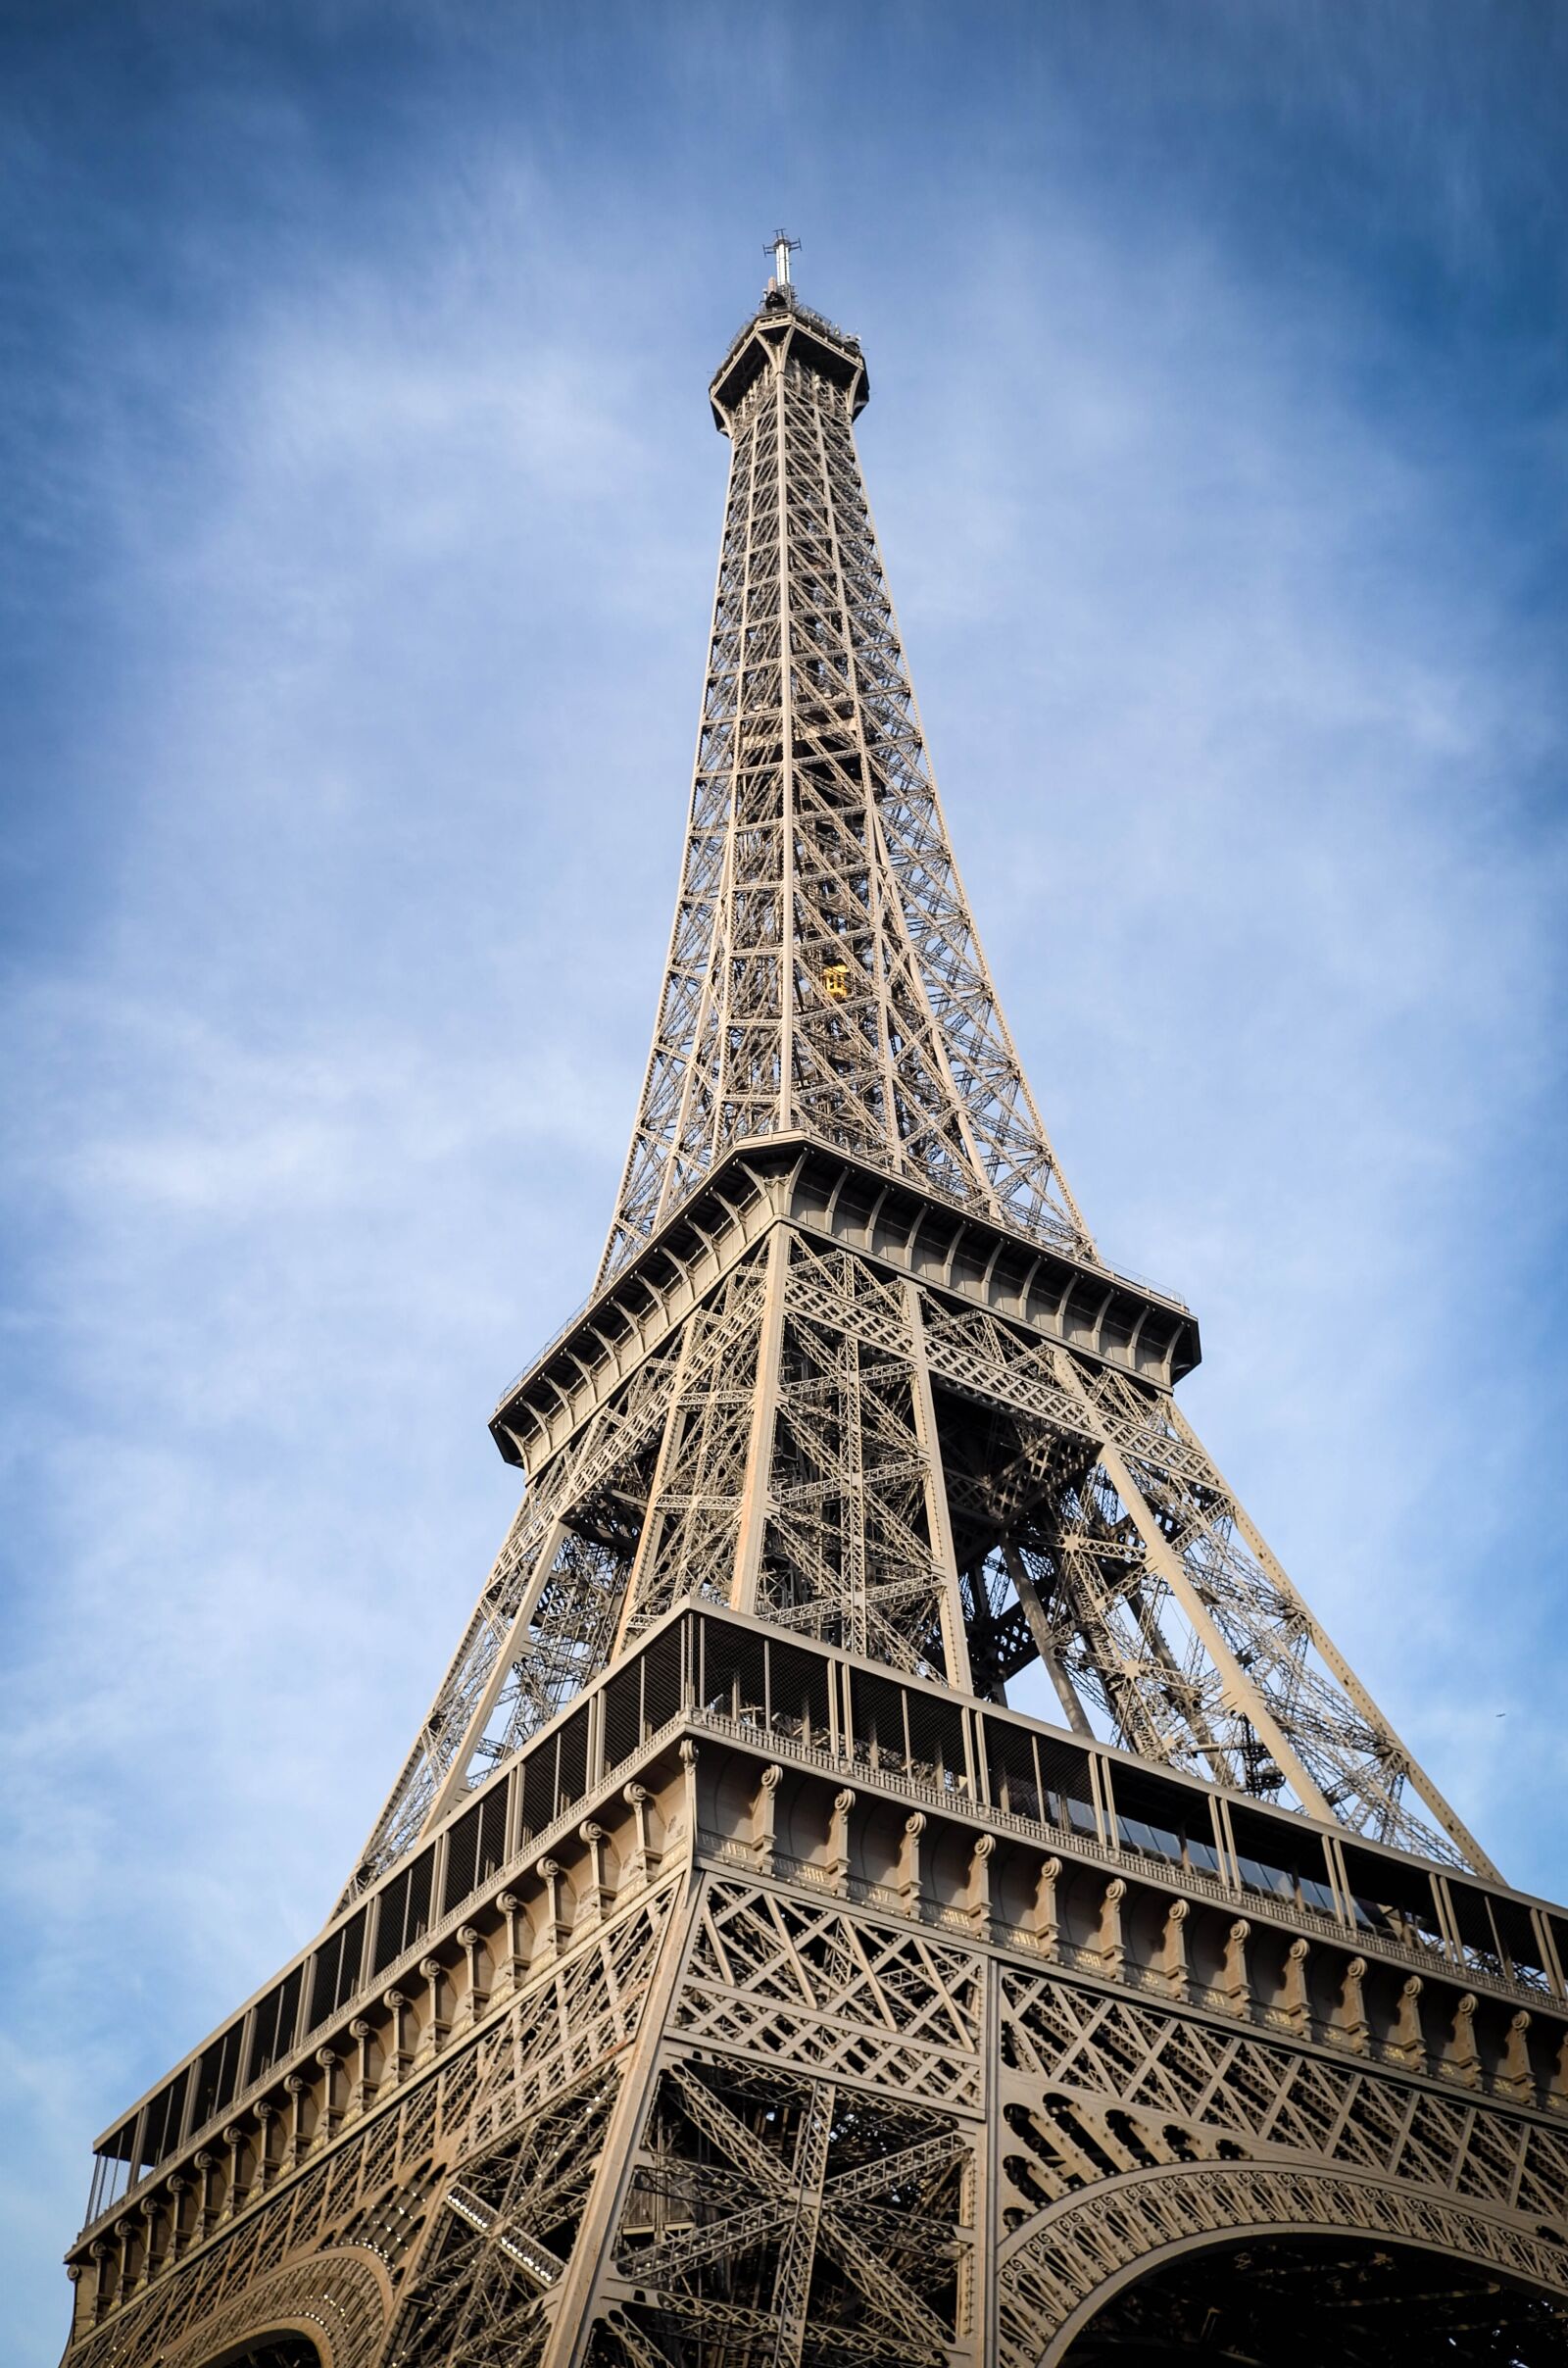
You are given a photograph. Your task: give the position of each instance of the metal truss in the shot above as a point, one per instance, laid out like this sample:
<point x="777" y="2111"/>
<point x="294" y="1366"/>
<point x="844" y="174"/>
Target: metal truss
<point x="824" y="972"/>
<point x="863" y="1460"/>
<point x="500" y="2137"/>
<point x="750" y="2181"/>
<point x="742" y="2119"/>
<point x="1161" y="1601"/>
<point x="544" y="1621"/>
<point x="789" y="2002"/>
<point x="500" y="2241"/>
<point x="785" y="1450"/>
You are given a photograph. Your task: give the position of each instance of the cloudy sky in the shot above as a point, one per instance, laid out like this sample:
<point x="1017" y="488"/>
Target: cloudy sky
<point x="361" y="504"/>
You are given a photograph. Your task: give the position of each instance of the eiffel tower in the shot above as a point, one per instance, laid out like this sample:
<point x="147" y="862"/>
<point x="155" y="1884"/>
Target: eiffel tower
<point x="732" y="1977"/>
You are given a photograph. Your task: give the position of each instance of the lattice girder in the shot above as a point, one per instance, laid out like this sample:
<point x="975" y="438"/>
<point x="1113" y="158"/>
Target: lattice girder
<point x="788" y="2001"/>
<point x="824" y="972"/>
<point x="869" y="1461"/>
<point x="760" y="2025"/>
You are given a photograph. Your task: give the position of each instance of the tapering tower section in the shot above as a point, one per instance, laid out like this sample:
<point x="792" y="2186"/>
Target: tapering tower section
<point x="853" y="1361"/>
<point x="825" y="975"/>
<point x="734" y="1978"/>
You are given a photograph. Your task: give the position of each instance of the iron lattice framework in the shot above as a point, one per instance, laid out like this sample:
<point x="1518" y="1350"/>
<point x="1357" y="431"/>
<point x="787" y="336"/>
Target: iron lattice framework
<point x="823" y="971"/>
<point x="949" y="1487"/>
<point x="732" y="1977"/>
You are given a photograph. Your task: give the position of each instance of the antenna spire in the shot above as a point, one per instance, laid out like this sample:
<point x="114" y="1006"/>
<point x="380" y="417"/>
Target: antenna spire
<point x="781" y="247"/>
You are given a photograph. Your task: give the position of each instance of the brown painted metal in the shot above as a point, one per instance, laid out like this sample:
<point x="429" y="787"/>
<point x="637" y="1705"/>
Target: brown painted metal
<point x="731" y="1977"/>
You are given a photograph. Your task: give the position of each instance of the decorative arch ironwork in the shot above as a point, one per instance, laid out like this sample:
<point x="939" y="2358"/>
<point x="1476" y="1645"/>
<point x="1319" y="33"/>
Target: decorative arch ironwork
<point x="1063" y="2268"/>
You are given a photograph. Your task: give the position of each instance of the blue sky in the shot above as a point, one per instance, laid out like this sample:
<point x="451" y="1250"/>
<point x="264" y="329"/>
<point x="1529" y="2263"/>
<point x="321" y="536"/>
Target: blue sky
<point x="361" y="508"/>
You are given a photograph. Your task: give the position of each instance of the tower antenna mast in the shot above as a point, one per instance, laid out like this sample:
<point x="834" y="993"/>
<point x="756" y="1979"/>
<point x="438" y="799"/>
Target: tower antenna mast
<point x="781" y="247"/>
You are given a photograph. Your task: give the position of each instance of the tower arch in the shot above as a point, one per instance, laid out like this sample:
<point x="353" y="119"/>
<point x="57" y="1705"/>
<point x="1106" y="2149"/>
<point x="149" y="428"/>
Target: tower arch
<point x="281" y="2347"/>
<point x="1072" y="2268"/>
